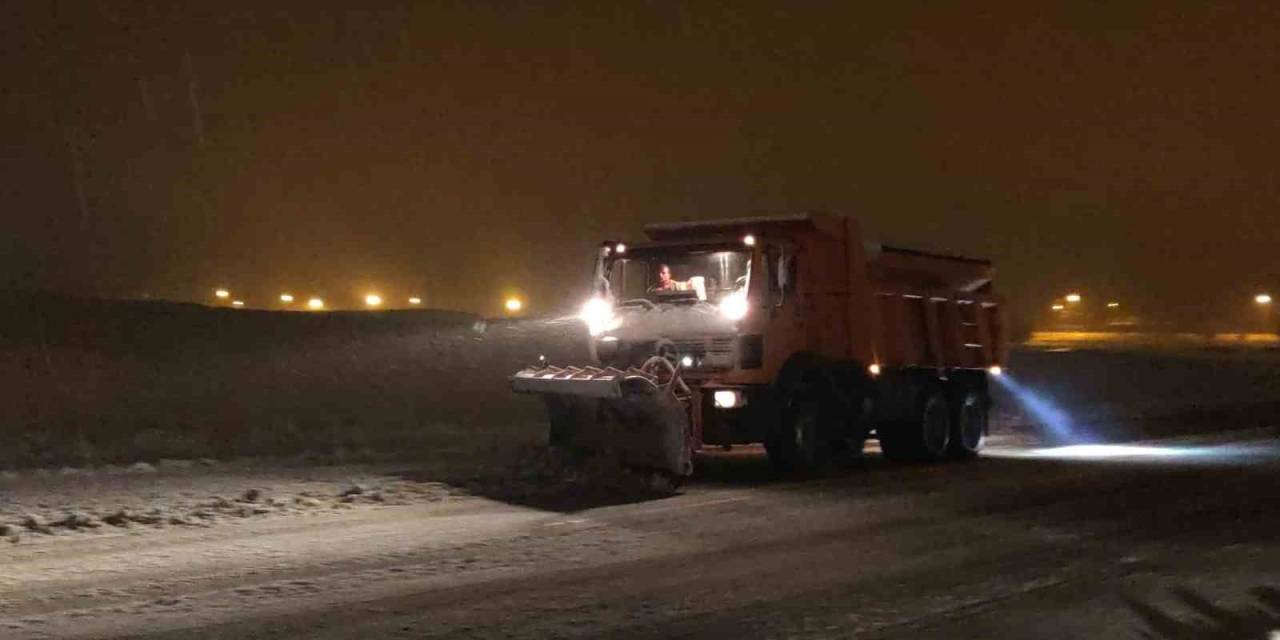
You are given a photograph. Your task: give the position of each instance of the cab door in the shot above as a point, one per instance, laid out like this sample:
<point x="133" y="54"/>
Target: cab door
<point x="783" y="307"/>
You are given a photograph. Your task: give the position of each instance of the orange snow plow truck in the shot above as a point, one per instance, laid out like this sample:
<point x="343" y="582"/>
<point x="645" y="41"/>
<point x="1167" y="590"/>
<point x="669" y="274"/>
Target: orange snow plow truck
<point x="790" y="331"/>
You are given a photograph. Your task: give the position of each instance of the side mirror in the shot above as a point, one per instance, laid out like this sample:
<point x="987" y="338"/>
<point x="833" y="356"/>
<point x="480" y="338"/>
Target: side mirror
<point x="781" y="279"/>
<point x="600" y="279"/>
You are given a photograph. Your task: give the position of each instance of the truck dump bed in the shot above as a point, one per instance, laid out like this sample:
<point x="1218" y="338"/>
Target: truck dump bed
<point x="934" y="310"/>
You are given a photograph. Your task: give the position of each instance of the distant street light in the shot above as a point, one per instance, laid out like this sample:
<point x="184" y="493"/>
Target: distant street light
<point x="222" y="294"/>
<point x="1262" y="299"/>
<point x="1058" y="307"/>
<point x="1073" y="298"/>
<point x="373" y="300"/>
<point x="315" y="303"/>
<point x="514" y="305"/>
<point x="286" y="298"/>
<point x="415" y="300"/>
<point x="1113" y="305"/>
<point x="237" y="303"/>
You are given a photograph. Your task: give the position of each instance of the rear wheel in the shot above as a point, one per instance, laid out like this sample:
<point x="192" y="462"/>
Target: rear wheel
<point x="968" y="425"/>
<point x="926" y="438"/>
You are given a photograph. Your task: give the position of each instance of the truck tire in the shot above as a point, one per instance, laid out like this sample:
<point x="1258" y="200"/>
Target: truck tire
<point x="968" y="424"/>
<point x="800" y="440"/>
<point x="926" y="438"/>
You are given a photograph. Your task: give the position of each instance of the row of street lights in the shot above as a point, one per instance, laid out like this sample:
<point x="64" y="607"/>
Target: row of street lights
<point x="1261" y="299"/>
<point x="1070" y="311"/>
<point x="1072" y="299"/>
<point x="512" y="304"/>
<point x="314" y="303"/>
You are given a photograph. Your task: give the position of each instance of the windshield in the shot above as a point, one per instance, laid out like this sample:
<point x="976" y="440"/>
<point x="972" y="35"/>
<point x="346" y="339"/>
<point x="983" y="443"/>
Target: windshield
<point x="679" y="273"/>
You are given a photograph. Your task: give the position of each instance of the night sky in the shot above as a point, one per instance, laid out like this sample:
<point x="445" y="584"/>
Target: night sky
<point x="464" y="150"/>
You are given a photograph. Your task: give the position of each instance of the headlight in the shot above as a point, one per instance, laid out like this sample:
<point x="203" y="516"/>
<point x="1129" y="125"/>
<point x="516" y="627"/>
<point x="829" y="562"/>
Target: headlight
<point x="728" y="399"/>
<point x="734" y="307"/>
<point x="597" y="314"/>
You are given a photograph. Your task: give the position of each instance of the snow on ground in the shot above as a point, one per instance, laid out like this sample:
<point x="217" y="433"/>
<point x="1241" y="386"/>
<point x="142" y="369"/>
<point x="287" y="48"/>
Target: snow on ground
<point x="44" y="505"/>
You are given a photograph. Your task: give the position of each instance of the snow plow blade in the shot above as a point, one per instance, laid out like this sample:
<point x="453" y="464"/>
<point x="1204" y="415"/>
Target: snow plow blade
<point x="637" y="414"/>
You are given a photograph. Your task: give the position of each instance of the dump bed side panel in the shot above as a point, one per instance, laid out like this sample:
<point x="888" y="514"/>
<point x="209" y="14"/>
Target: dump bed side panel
<point x="934" y="310"/>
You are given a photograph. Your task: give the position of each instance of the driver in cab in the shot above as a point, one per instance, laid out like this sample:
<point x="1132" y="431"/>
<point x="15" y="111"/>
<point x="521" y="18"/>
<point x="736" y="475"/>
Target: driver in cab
<point x="665" y="283"/>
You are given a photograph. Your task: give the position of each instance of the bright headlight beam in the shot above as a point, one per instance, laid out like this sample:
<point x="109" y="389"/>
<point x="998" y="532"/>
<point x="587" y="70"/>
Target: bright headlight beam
<point x="597" y="314"/>
<point x="734" y="306"/>
<point x="727" y="399"/>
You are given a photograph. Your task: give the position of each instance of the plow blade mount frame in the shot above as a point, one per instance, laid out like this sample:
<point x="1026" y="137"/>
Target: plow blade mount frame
<point x="634" y="414"/>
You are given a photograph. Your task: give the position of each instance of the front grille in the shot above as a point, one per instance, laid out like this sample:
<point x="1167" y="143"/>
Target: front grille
<point x="708" y="352"/>
<point x="751" y="351"/>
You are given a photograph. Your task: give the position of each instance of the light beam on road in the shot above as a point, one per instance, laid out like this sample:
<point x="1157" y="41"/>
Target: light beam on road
<point x="1103" y="451"/>
<point x="1044" y="410"/>
<point x="1242" y="452"/>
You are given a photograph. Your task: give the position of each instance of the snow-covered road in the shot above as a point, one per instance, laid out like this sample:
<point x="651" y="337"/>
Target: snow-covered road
<point x="1007" y="546"/>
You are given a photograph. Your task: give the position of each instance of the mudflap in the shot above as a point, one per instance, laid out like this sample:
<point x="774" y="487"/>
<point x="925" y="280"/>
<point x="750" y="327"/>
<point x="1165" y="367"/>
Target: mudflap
<point x="637" y="417"/>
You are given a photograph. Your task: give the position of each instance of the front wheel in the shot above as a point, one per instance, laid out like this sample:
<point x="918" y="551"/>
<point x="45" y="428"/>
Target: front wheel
<point x="799" y="441"/>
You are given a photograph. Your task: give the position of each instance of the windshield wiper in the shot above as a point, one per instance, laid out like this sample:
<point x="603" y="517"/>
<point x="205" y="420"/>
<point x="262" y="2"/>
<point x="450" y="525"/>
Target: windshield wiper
<point x="638" y="302"/>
